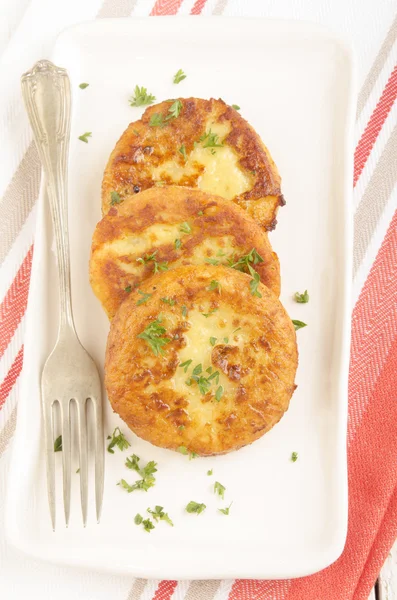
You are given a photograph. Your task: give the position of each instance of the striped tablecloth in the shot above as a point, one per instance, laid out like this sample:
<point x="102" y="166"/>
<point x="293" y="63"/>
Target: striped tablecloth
<point x="30" y="27"/>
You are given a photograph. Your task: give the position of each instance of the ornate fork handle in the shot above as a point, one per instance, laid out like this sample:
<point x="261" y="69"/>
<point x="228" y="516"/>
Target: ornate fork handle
<point x="46" y="92"/>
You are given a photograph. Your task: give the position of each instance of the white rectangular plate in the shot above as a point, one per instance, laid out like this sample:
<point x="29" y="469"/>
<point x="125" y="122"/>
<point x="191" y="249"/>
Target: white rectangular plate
<point x="294" y="84"/>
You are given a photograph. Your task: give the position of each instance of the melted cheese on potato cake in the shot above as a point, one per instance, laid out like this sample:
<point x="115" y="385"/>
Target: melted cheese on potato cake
<point x="212" y="369"/>
<point x="208" y="145"/>
<point x="164" y="228"/>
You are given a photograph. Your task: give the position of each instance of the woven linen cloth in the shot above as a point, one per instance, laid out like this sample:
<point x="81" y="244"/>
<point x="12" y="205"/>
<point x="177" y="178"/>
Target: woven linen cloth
<point x="29" y="28"/>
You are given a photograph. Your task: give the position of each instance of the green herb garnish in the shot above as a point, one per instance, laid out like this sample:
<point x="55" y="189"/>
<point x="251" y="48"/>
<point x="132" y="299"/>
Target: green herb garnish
<point x="235" y="106"/>
<point x="208" y="314"/>
<point x="179" y="76"/>
<point x="147" y="473"/>
<point x="114" y="198"/>
<point x="302" y="298"/>
<point x="158" y="514"/>
<point x="153" y="336"/>
<point x="185" y="365"/>
<point x="226" y="510"/>
<point x="144" y="299"/>
<point x="156" y="120"/>
<point x="212" y="341"/>
<point x="138" y="519"/>
<point x="177" y="244"/>
<point x="141" y="97"/>
<point x="128" y="289"/>
<point x="210" y="140"/>
<point x="82" y="86"/>
<point x="184" y="311"/>
<point x="169" y="301"/>
<point x="84" y="137"/>
<point x="210" y="472"/>
<point x="197" y="370"/>
<point x="195" y="507"/>
<point x="254" y="283"/>
<point x="219" y="393"/>
<point x="174" y="110"/>
<point x="214" y="285"/>
<point x="185" y="228"/>
<point x="219" y="489"/>
<point x="58" y="444"/>
<point x="147" y="525"/>
<point x="117" y="439"/>
<point x="298" y="324"/>
<point x="294" y="456"/>
<point x="182" y="150"/>
<point x="212" y="261"/>
<point x="163" y="266"/>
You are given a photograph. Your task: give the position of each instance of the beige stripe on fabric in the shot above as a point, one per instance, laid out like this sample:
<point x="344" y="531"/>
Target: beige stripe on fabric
<point x="116" y="8"/>
<point x="18" y="199"/>
<point x="376" y="67"/>
<point x="374" y="200"/>
<point x="202" y="590"/>
<point x="219" y="7"/>
<point x="137" y="589"/>
<point x="8" y="431"/>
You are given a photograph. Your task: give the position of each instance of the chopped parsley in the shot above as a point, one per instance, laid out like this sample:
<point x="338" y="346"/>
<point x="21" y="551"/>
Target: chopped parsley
<point x="141" y="97"/>
<point x="153" y="336"/>
<point x="117" y="439"/>
<point x="184" y="311"/>
<point x="174" y="110"/>
<point x="204" y="383"/>
<point x="219" y="489"/>
<point x="225" y="511"/>
<point x="200" y="213"/>
<point x="185" y="228"/>
<point x="138" y="519"/>
<point x="209" y="473"/>
<point x="244" y="262"/>
<point x="254" y="283"/>
<point x="179" y="76"/>
<point x="128" y="289"/>
<point x="85" y="136"/>
<point x="214" y="285"/>
<point x="212" y="261"/>
<point x="82" y="86"/>
<point x="169" y="301"/>
<point x="298" y="324"/>
<point x="226" y="340"/>
<point x="185" y="365"/>
<point x="58" y="444"/>
<point x="235" y="106"/>
<point x="197" y="369"/>
<point x="114" y="198"/>
<point x="159" y="183"/>
<point x="147" y="525"/>
<point x="219" y="393"/>
<point x="182" y="150"/>
<point x="158" y="514"/>
<point x="210" y="140"/>
<point x="147" y="473"/>
<point x="144" y="260"/>
<point x="183" y="450"/>
<point x="156" y="120"/>
<point x="177" y="244"/>
<point x="195" y="507"/>
<point x="302" y="298"/>
<point x="212" y="341"/>
<point x="208" y="314"/>
<point x="144" y="299"/>
<point x="294" y="456"/>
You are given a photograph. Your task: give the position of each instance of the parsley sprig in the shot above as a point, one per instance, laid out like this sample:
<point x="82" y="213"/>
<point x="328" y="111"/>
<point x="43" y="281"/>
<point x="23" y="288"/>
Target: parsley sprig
<point x="158" y="514"/>
<point x="226" y="510"/>
<point x="210" y="140"/>
<point x="298" y="324"/>
<point x="115" y="198"/>
<point x="147" y="473"/>
<point x="158" y="120"/>
<point x="179" y="76"/>
<point x="144" y="299"/>
<point x="219" y="489"/>
<point x="141" y="97"/>
<point x="244" y="263"/>
<point x="118" y="439"/>
<point x="195" y="507"/>
<point x="85" y="136"/>
<point x="153" y="336"/>
<point x="302" y="298"/>
<point x="185" y="451"/>
<point x="157" y="266"/>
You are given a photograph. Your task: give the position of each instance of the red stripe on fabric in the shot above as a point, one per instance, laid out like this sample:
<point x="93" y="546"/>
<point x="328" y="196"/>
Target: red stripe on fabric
<point x="246" y="589"/>
<point x="14" y="304"/>
<point x="165" y="590"/>
<point x="11" y="377"/>
<point x="165" y="7"/>
<point x="374" y="125"/>
<point x="198" y="7"/>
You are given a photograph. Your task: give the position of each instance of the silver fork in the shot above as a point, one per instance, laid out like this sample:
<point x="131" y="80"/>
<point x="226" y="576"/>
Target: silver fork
<point x="69" y="374"/>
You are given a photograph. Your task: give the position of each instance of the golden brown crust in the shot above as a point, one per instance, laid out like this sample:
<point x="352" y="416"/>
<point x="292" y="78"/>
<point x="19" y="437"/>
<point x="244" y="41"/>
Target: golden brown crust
<point x="253" y="353"/>
<point x="151" y="221"/>
<point x="136" y="162"/>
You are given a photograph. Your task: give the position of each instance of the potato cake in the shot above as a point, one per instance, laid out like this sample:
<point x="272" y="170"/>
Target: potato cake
<point x="164" y="228"/>
<point x="201" y="359"/>
<point x="196" y="143"/>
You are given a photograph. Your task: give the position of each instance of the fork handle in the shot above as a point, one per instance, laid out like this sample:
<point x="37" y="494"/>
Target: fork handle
<point x="46" y="93"/>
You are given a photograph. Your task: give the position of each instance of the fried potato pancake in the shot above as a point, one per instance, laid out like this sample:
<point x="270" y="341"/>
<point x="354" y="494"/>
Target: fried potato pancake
<point x="208" y="145"/>
<point x="165" y="228"/>
<point x="202" y="363"/>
